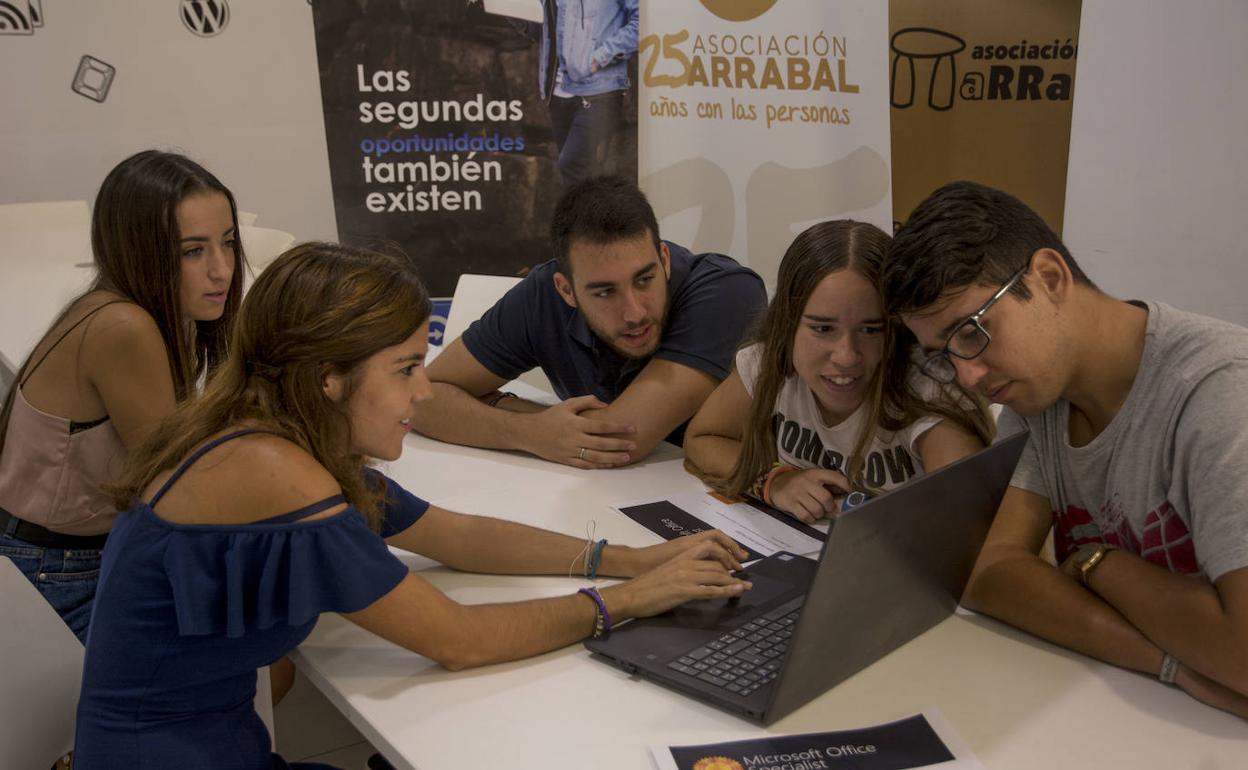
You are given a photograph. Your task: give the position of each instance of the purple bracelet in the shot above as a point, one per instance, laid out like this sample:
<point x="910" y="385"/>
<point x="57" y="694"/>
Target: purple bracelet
<point x="602" y="623"/>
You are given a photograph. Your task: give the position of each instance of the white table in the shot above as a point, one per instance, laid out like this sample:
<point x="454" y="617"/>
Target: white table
<point x="45" y="261"/>
<point x="1018" y="702"/>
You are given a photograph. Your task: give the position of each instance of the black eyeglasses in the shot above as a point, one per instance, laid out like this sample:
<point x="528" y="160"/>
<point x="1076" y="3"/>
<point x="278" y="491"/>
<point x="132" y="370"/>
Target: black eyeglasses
<point x="969" y="340"/>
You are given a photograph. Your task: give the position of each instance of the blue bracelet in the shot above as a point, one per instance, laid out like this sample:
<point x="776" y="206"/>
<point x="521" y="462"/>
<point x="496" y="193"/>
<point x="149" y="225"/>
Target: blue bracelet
<point x="602" y="623"/>
<point x="595" y="558"/>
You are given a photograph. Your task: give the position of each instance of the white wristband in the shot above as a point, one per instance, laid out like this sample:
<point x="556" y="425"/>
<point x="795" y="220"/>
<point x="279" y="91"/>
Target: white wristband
<point x="1169" y="669"/>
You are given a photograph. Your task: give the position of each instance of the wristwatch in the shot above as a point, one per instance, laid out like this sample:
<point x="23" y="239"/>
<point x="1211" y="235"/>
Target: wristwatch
<point x="1088" y="556"/>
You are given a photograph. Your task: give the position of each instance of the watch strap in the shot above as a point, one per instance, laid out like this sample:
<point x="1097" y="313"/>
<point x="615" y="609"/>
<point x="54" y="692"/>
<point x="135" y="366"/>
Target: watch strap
<point x="1169" y="668"/>
<point x="1092" y="560"/>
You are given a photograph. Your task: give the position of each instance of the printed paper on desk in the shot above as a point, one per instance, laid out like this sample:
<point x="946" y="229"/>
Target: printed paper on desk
<point x="761" y="532"/>
<point x="923" y="740"/>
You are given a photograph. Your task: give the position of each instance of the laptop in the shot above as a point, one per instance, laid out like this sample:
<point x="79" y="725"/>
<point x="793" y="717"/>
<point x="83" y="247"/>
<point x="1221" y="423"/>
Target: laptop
<point x="890" y="569"/>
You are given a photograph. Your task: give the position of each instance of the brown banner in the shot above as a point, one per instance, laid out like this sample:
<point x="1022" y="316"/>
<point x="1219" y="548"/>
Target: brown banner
<point x="982" y="90"/>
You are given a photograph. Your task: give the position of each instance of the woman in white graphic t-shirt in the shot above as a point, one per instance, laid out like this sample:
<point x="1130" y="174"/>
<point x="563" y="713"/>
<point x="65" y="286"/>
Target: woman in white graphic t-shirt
<point x="827" y="399"/>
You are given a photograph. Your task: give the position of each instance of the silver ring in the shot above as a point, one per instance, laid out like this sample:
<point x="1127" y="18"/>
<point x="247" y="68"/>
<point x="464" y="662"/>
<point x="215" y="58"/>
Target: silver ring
<point x="581" y="455"/>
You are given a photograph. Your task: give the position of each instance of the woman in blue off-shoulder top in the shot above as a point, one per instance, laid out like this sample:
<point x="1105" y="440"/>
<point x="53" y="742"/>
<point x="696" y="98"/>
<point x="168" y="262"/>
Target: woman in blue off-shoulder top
<point x="251" y="511"/>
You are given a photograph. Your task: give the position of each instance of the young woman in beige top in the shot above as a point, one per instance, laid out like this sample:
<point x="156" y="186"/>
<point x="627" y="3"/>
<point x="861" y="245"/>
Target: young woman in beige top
<point x="164" y="234"/>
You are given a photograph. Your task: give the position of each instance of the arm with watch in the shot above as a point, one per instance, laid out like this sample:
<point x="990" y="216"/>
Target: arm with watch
<point x="1192" y="620"/>
<point x="1129" y="613"/>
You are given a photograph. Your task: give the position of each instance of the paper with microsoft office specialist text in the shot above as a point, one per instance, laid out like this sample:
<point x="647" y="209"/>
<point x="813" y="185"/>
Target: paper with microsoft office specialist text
<point x="924" y="740"/>
<point x="761" y="531"/>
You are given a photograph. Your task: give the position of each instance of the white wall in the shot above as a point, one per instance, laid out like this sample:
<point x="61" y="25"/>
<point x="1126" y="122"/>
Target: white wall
<point x="1157" y="194"/>
<point x="245" y="103"/>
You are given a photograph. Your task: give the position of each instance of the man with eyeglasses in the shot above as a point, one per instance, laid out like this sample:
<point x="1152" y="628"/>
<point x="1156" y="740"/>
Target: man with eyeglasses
<point x="1138" y="456"/>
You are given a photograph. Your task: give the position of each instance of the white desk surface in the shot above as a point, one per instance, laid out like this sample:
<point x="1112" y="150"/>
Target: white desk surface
<point x="1018" y="702"/>
<point x="45" y="261"/>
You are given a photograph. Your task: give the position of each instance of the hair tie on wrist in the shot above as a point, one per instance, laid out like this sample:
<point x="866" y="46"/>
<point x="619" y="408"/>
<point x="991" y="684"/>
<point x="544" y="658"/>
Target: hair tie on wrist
<point x="779" y="470"/>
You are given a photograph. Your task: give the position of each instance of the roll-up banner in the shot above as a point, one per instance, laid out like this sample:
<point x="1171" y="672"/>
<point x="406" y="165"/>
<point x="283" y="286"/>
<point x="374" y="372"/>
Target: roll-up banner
<point x="755" y="119"/>
<point x="439" y="128"/>
<point x="982" y="90"/>
<point x="760" y="117"/>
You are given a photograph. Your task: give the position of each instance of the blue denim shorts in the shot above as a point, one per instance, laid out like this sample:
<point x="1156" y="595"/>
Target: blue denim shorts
<point x="66" y="578"/>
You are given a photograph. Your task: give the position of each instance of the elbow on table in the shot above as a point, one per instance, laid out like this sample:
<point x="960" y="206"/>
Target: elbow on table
<point x="453" y="664"/>
<point x="979" y="593"/>
<point x="696" y="455"/>
<point x="462" y="652"/>
<point x="453" y="658"/>
<point x="999" y="579"/>
<point x="972" y="597"/>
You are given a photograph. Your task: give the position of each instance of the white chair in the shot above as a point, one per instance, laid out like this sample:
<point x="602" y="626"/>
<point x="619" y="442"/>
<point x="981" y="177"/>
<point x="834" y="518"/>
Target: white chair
<point x="262" y="245"/>
<point x="264" y="702"/>
<point x="8" y="373"/>
<point x="475" y="294"/>
<point x="45" y="214"/>
<point x="42" y="675"/>
<point x="41" y="246"/>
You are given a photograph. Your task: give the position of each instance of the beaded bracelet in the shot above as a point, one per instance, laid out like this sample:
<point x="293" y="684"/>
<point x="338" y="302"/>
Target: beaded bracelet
<point x="758" y="489"/>
<point x="602" y="621"/>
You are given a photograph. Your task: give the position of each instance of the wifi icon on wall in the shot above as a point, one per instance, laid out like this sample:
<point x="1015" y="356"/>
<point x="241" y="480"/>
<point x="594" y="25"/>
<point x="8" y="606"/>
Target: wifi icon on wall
<point x="20" y="17"/>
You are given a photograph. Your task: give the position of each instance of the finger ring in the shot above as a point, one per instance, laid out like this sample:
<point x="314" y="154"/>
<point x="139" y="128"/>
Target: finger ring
<point x="581" y="455"/>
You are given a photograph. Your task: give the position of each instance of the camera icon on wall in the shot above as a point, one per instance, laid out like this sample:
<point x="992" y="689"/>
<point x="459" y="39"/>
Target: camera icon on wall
<point x="93" y="78"/>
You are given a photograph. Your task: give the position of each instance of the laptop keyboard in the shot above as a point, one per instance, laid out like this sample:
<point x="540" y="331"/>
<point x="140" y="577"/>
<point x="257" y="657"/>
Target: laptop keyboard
<point x="743" y="660"/>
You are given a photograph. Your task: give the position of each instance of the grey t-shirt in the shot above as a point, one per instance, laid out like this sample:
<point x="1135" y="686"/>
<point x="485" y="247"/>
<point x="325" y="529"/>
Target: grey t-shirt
<point x="1168" y="477"/>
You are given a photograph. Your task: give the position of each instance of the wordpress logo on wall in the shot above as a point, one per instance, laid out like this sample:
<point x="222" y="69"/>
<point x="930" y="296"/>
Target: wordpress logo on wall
<point x="205" y="18"/>
<point x="20" y="17"/>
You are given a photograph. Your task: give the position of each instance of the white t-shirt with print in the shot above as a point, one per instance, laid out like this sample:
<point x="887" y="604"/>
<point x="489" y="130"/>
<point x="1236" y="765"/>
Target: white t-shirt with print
<point x="803" y="440"/>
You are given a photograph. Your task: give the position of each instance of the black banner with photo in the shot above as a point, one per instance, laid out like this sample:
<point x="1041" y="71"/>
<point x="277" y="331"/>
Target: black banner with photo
<point x="439" y="137"/>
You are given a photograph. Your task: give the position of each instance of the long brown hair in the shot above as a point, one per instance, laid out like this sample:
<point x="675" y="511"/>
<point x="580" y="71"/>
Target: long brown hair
<point x="137" y="249"/>
<point x="320" y="308"/>
<point x="817" y="251"/>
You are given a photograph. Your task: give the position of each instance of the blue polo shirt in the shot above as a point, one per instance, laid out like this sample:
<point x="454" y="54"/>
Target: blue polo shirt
<point x="712" y="302"/>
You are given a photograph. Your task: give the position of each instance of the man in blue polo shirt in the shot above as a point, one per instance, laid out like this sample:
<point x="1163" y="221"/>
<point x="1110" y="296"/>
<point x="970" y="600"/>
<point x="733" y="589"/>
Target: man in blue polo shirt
<point x="633" y="332"/>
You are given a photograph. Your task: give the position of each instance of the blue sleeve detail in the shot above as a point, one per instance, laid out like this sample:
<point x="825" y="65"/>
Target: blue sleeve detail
<point x="245" y="580"/>
<point x="402" y="508"/>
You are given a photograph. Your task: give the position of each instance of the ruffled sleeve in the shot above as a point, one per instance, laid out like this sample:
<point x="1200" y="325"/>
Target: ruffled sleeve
<point x="258" y="576"/>
<point x="401" y="507"/>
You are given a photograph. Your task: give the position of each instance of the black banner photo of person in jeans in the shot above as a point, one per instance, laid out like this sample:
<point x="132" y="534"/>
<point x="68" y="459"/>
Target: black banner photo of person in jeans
<point x="583" y="76"/>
